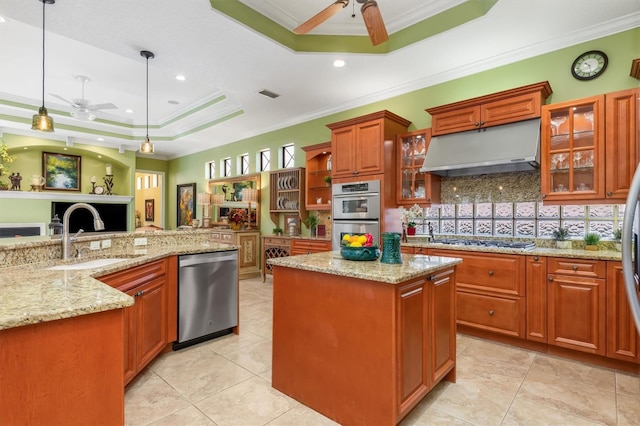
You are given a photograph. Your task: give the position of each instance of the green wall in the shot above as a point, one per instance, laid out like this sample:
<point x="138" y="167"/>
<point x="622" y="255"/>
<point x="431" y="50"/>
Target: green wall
<point x="554" y="67"/>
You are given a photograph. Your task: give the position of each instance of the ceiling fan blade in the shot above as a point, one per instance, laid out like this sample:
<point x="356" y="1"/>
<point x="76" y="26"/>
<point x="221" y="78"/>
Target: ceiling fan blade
<point x="321" y="17"/>
<point x="102" y="106"/>
<point x="73" y="104"/>
<point x="374" y="23"/>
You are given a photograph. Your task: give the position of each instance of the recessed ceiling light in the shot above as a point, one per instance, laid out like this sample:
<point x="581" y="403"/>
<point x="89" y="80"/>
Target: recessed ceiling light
<point x="130" y="111"/>
<point x="174" y="102"/>
<point x="2" y="20"/>
<point x="339" y="63"/>
<point x="180" y="77"/>
<point x="100" y="139"/>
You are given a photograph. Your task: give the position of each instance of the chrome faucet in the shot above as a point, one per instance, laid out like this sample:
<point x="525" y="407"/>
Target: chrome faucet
<point x="98" y="225"/>
<point x="430" y="231"/>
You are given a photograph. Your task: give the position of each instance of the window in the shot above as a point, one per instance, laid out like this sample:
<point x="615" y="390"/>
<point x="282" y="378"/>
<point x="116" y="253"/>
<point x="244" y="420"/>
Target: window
<point x="287" y="156"/>
<point x="265" y="160"/>
<point x="226" y="167"/>
<point x="210" y="170"/>
<point x="244" y="164"/>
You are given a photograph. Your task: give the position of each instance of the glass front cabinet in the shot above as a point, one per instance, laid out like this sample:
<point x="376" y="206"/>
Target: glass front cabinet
<point x="572" y="150"/>
<point x="414" y="186"/>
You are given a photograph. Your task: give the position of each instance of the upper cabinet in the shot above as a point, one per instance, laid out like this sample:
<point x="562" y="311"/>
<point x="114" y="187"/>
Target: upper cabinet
<point x="414" y="186"/>
<point x="286" y="193"/>
<point x="358" y="145"/>
<point x="318" y="174"/>
<point x="504" y="107"/>
<point x="589" y="148"/>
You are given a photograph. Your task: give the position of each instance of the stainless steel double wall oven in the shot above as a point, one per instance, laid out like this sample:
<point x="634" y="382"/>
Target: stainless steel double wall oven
<point x="356" y="210"/>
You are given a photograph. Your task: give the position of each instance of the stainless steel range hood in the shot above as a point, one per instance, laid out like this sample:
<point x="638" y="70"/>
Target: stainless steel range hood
<point x="508" y="148"/>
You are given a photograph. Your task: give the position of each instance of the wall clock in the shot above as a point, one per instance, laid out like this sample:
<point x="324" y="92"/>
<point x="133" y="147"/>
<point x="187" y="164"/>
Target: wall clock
<point x="589" y="65"/>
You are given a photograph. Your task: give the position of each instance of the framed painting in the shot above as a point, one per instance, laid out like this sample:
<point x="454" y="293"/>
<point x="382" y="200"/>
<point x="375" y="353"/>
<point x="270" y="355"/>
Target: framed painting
<point x="186" y="204"/>
<point x="61" y="171"/>
<point x="149" y="211"/>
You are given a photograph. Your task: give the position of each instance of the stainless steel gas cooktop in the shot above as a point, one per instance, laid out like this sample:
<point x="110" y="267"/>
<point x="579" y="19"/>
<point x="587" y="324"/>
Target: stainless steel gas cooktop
<point x="522" y="245"/>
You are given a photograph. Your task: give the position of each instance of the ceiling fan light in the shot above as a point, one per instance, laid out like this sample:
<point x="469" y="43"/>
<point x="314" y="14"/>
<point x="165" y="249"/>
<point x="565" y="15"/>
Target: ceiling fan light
<point x="83" y="115"/>
<point x="146" y="147"/>
<point x="41" y="121"/>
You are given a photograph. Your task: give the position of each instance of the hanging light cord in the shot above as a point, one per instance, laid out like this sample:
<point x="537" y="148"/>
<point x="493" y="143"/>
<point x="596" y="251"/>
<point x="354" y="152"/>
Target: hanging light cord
<point x="147" y="98"/>
<point x="43" y="9"/>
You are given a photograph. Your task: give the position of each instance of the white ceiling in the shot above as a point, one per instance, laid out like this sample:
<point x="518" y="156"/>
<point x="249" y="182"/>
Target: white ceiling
<point x="220" y="57"/>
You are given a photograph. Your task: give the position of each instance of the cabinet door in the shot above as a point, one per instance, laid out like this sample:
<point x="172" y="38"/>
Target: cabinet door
<point x="343" y="151"/>
<point x="536" y="288"/>
<point x="414" y="186"/>
<point x="623" y="340"/>
<point x="514" y="108"/>
<point x="151" y="327"/>
<point x="442" y="318"/>
<point x="413" y="341"/>
<point x="622" y="114"/>
<point x="577" y="309"/>
<point x="130" y="328"/>
<point x="369" y="148"/>
<point x="573" y="155"/>
<point x="458" y="120"/>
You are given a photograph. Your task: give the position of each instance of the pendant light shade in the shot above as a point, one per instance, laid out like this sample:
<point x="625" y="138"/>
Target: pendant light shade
<point x="41" y="121"/>
<point x="146" y="147"/>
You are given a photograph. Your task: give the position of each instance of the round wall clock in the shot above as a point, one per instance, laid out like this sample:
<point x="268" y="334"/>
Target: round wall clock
<point x="589" y="65"/>
<point x="99" y="190"/>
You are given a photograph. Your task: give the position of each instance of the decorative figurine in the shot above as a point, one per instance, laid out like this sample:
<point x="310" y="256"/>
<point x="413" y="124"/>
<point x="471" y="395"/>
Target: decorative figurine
<point x="15" y="181"/>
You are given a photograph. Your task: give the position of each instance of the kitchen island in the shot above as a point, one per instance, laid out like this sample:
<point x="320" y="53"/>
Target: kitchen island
<point x="362" y="342"/>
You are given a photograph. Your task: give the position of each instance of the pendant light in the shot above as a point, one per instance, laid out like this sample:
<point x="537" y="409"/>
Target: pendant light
<point x="41" y="121"/>
<point x="146" y="147"/>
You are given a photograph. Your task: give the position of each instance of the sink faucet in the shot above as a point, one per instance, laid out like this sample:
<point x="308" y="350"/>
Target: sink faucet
<point x="430" y="230"/>
<point x="98" y="225"/>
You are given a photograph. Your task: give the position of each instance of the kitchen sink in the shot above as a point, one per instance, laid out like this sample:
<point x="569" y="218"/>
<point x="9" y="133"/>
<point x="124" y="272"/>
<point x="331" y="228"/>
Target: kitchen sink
<point x="88" y="264"/>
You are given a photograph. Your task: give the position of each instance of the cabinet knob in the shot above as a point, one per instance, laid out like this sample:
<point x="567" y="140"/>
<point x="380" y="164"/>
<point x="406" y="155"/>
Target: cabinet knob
<point x="490" y="273"/>
<point x="550" y="279"/>
<point x="575" y="267"/>
<point x="535" y="258"/>
<point x="428" y="199"/>
<point x="543" y="195"/>
<point x="482" y="123"/>
<point x="609" y="194"/>
<point x="419" y="248"/>
<point x="476" y="124"/>
<point x="491" y="312"/>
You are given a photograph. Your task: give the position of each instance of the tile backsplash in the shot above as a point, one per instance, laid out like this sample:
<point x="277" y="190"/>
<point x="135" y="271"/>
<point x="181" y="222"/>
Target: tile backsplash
<point x="509" y="205"/>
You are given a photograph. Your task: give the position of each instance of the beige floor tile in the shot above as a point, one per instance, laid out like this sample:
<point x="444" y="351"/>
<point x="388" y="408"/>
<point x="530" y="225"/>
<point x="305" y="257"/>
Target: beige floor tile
<point x="579" y="398"/>
<point x="189" y="416"/>
<point x="627" y="384"/>
<point x="462" y="343"/>
<point x="266" y="375"/>
<point x="574" y="371"/>
<point x="424" y="415"/>
<point x="255" y="358"/>
<point x="261" y="326"/>
<point x="234" y="342"/>
<point x="486" y="351"/>
<point x="523" y="412"/>
<point x="199" y="373"/>
<point x="252" y="402"/>
<point x="301" y="415"/>
<point x="501" y="376"/>
<point x="628" y="410"/>
<point x="149" y="398"/>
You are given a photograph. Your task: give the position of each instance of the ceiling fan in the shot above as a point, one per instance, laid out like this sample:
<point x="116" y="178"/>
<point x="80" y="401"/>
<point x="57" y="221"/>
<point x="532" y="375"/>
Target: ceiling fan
<point x="84" y="110"/>
<point x="370" y="14"/>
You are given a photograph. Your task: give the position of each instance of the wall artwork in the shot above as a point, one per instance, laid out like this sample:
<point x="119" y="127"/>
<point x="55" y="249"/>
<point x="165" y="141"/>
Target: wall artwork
<point x="186" y="204"/>
<point x="61" y="171"/>
<point x="149" y="211"/>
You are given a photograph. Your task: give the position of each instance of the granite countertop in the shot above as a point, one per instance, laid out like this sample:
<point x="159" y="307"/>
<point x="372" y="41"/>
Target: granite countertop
<point x="31" y="293"/>
<point x="538" y="251"/>
<point x="413" y="266"/>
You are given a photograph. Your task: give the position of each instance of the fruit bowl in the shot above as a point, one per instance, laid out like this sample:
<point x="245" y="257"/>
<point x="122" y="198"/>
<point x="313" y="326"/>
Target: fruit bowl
<point x="360" y="253"/>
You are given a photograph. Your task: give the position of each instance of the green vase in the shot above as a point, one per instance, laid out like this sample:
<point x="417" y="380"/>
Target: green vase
<point x="391" y="248"/>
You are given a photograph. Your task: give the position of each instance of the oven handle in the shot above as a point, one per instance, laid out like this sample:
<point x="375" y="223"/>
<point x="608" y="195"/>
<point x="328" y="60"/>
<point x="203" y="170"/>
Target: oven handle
<point x="357" y="196"/>
<point x="356" y="221"/>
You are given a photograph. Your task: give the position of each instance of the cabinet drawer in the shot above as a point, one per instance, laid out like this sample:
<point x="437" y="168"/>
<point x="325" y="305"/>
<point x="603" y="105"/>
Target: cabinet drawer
<point x="313" y="246"/>
<point x="496" y="314"/>
<point x="577" y="267"/>
<point x="138" y="275"/>
<point x="216" y="236"/>
<point x="493" y="273"/>
<point x="276" y="241"/>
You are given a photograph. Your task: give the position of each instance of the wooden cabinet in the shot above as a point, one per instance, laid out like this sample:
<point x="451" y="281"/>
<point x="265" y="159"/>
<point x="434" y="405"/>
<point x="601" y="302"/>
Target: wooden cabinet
<point x="317" y="168"/>
<point x="536" y="292"/>
<point x="414" y="186"/>
<point x="504" y="107"/>
<point x="589" y="148"/>
<point x="308" y="246"/>
<point x="490" y="291"/>
<point x="287" y="193"/>
<point x="623" y="340"/>
<point x="248" y="256"/>
<point x="358" y="145"/>
<point x="577" y="304"/>
<point x="146" y="323"/>
<point x="273" y="247"/>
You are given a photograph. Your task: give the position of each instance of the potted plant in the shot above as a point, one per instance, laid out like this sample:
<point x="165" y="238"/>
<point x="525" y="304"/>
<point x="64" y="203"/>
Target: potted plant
<point x="591" y="240"/>
<point x="617" y="237"/>
<point x="411" y="228"/>
<point x="561" y="235"/>
<point x="277" y="231"/>
<point x="5" y="159"/>
<point x="327" y="180"/>
<point x="312" y="222"/>
<point x="409" y="217"/>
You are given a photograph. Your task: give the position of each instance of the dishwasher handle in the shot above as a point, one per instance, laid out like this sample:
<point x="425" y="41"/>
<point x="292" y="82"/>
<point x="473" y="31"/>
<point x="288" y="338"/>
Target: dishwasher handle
<point x="199" y="259"/>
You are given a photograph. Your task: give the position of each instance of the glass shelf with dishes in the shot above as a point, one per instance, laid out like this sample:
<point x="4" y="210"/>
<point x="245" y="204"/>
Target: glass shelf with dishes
<point x="415" y="186"/>
<point x="318" y="176"/>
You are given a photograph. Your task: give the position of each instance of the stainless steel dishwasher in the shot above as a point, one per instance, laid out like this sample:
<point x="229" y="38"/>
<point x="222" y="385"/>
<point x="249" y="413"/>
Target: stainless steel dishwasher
<point x="207" y="296"/>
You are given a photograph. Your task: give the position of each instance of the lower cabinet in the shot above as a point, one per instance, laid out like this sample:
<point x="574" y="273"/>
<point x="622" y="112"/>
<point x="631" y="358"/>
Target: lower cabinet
<point x="536" y="294"/>
<point x="248" y="256"/>
<point x="623" y="340"/>
<point x="148" y="322"/>
<point x="308" y="246"/>
<point x="274" y="246"/>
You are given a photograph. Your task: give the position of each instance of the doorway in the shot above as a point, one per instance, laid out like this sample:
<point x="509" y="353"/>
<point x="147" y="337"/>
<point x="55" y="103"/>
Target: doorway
<point x="149" y="200"/>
